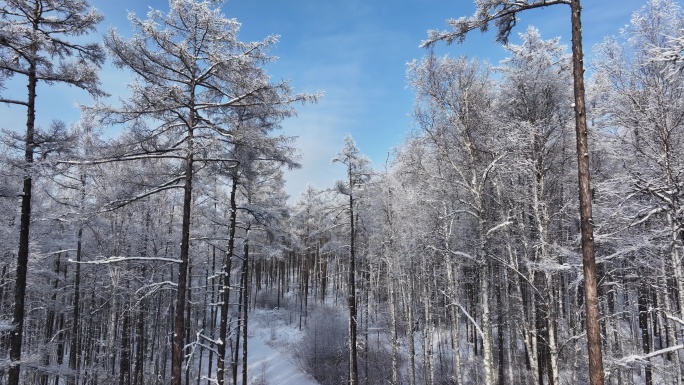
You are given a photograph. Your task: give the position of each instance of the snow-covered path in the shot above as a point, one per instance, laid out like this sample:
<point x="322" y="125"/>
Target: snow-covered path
<point x="269" y="366"/>
<point x="266" y="363"/>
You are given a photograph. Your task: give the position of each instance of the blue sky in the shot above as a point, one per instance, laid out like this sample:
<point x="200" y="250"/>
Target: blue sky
<point x="355" y="51"/>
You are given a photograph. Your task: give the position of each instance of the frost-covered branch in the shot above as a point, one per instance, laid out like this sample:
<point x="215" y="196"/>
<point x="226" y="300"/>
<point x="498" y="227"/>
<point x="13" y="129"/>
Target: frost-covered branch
<point x="172" y="184"/>
<point x="157" y="154"/>
<point x="502" y="12"/>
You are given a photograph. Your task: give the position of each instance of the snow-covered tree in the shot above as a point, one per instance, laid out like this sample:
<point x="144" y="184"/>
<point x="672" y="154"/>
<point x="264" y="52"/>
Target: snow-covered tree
<point x="534" y="101"/>
<point x="503" y="13"/>
<point x="358" y="173"/>
<point x="459" y="135"/>
<point x="641" y="108"/>
<point x="195" y="82"/>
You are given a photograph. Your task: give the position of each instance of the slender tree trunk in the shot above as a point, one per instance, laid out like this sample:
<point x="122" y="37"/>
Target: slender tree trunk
<point x="16" y="337"/>
<point x="488" y="354"/>
<point x="60" y="343"/>
<point x="410" y="329"/>
<point x="223" y="327"/>
<point x="188" y="320"/>
<point x="50" y="320"/>
<point x="140" y="338"/>
<point x="212" y="314"/>
<point x="455" y="326"/>
<point x="125" y="355"/>
<point x="500" y="327"/>
<point x="530" y="330"/>
<point x="483" y="292"/>
<point x="351" y="295"/>
<point x="645" y="336"/>
<point x="234" y="362"/>
<point x="596" y="374"/>
<point x="663" y="297"/>
<point x="140" y="344"/>
<point x="393" y="324"/>
<point x="74" y="352"/>
<point x="305" y="290"/>
<point x="366" y="316"/>
<point x="111" y="327"/>
<point x="324" y="273"/>
<point x="551" y="321"/>
<point x="428" y="330"/>
<point x="245" y="306"/>
<point x="181" y="291"/>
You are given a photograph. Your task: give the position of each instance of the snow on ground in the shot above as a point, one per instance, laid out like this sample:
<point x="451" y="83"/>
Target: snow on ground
<point x="271" y="346"/>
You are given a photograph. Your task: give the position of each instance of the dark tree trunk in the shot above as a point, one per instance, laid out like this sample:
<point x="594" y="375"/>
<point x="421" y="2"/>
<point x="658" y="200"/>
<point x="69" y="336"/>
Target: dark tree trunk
<point x="60" y="344"/>
<point x="25" y="223"/>
<point x="188" y="319"/>
<point x="223" y="327"/>
<point x="245" y="307"/>
<point x="179" y="322"/>
<point x="643" y="325"/>
<point x="212" y="313"/>
<point x="237" y="331"/>
<point x="125" y="356"/>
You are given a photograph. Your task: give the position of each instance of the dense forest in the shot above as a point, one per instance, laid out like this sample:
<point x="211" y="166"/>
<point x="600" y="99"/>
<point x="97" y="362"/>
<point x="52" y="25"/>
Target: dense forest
<point x="138" y="258"/>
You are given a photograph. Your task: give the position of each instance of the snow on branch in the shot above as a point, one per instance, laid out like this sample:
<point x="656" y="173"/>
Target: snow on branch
<point x="485" y="173"/>
<point x="108" y="260"/>
<point x="153" y="288"/>
<point x="477" y="327"/>
<point x="671" y="54"/>
<point x="643" y="358"/>
<point x="645" y="217"/>
<point x="497" y="227"/>
<point x="455" y="253"/>
<point x="619" y="253"/>
<point x="472" y="320"/>
<point x="673" y="318"/>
